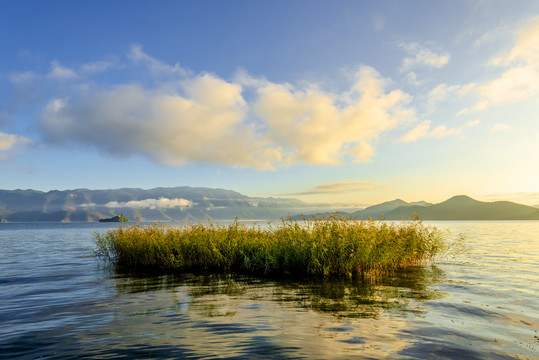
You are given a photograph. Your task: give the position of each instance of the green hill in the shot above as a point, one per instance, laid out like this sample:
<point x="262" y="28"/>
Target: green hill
<point x="465" y="208"/>
<point x="376" y="211"/>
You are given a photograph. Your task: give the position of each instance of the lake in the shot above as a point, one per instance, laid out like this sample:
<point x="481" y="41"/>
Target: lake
<point x="58" y="301"/>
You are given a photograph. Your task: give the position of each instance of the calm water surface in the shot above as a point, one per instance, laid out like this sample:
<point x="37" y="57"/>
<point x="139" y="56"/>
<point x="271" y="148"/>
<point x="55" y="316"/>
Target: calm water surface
<point x="58" y="301"/>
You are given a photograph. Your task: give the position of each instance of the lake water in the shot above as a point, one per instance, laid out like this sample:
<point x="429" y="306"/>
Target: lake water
<point x="58" y="301"/>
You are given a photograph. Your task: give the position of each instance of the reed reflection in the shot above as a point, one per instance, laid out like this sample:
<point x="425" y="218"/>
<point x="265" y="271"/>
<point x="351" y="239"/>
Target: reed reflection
<point x="363" y="297"/>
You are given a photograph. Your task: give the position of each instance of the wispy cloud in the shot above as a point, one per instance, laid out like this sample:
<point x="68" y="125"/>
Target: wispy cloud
<point x="419" y="55"/>
<point x="520" y="80"/>
<point x="493" y="35"/>
<point x="60" y="72"/>
<point x="412" y="80"/>
<point x="23" y="77"/>
<point x="97" y="66"/>
<point x="417" y="132"/>
<point x="443" y="91"/>
<point x="11" y="145"/>
<point x="156" y="66"/>
<point x="243" y="78"/>
<point x="442" y="131"/>
<point x="500" y="128"/>
<point x="342" y="187"/>
<point x="161" y="203"/>
<point x="423" y="130"/>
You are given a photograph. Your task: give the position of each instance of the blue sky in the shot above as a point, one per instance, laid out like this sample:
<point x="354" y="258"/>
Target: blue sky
<point x="344" y="102"/>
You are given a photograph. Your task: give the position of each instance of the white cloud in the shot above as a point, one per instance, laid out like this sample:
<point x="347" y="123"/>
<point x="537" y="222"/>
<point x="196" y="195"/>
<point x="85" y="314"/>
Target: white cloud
<point x="60" y="72"/>
<point x="443" y="91"/>
<point x="206" y="124"/>
<point x="97" y="66"/>
<point x="11" y="145"/>
<point x="440" y="92"/>
<point x="500" y="128"/>
<point x="520" y="81"/>
<point x="493" y="36"/>
<point x="442" y="131"/>
<point x="411" y="79"/>
<point x="207" y="119"/>
<point x="423" y="130"/>
<point x="157" y="67"/>
<point x="161" y="203"/>
<point x="526" y="49"/>
<point x="243" y="78"/>
<point x="312" y="128"/>
<point x="422" y="56"/>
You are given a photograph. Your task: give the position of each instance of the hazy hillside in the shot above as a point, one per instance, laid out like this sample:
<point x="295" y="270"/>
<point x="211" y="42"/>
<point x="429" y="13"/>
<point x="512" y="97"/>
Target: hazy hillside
<point x="465" y="208"/>
<point x="375" y="211"/>
<point x="178" y="203"/>
<point x="379" y="210"/>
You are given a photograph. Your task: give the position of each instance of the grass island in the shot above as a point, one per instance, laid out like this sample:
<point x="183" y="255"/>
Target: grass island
<point x="328" y="247"/>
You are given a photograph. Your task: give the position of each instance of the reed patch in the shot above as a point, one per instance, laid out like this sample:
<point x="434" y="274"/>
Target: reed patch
<point x="329" y="247"/>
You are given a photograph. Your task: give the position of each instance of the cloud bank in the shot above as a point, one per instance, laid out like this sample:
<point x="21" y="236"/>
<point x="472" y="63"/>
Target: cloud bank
<point x="247" y="122"/>
<point x="161" y="203"/>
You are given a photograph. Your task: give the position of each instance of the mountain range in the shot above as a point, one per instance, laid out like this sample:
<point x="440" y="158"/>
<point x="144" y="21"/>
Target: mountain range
<point x="168" y="204"/>
<point x="193" y="203"/>
<point x="459" y="207"/>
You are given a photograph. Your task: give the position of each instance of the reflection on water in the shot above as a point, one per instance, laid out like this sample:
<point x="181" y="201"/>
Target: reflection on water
<point x="56" y="301"/>
<point x="213" y="315"/>
<point x="342" y="298"/>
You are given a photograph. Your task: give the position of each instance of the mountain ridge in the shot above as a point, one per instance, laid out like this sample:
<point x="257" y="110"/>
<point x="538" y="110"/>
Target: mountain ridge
<point x="200" y="203"/>
<point x="161" y="203"/>
<point x="458" y="207"/>
<point x="462" y="207"/>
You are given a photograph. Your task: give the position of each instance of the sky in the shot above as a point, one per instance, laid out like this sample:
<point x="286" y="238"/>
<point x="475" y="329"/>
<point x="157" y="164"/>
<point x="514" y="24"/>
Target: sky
<point x="348" y="103"/>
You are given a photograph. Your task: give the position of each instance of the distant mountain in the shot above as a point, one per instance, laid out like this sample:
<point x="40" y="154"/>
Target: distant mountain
<point x="194" y="203"/>
<point x="465" y="208"/>
<point x="375" y="211"/>
<point x="457" y="208"/>
<point x="176" y="203"/>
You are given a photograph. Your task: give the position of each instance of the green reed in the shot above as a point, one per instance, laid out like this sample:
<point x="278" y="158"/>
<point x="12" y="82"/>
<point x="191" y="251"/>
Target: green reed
<point x="319" y="247"/>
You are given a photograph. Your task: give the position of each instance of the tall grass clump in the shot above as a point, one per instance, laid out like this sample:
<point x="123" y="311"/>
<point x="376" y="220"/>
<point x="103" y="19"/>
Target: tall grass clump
<point x="328" y="247"/>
